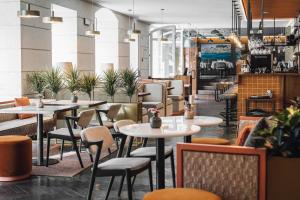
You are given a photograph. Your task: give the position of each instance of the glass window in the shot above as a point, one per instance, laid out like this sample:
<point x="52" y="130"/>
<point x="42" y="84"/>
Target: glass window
<point x="64" y="36"/>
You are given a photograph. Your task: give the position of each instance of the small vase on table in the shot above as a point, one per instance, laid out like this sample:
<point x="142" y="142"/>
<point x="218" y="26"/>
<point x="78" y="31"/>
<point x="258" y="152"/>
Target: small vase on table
<point x="155" y="120"/>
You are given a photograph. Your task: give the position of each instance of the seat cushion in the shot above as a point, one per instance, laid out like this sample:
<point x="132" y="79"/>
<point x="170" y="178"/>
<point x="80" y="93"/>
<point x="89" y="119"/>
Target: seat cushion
<point x="181" y="194"/>
<point x="65" y="132"/>
<point x="176" y="97"/>
<point x="25" y="126"/>
<point x="24" y="101"/>
<point x="213" y="141"/>
<point x="124" y="163"/>
<point x="169" y="101"/>
<point x="149" y="151"/>
<point x="157" y="105"/>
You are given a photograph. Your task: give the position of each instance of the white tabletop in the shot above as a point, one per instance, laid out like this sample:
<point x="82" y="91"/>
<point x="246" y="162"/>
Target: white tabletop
<point x="35" y="110"/>
<point x="170" y="129"/>
<point x="202" y="121"/>
<point x="86" y="103"/>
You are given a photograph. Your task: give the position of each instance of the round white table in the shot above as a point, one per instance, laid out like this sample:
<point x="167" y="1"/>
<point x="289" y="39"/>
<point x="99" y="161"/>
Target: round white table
<point x="171" y="127"/>
<point x="202" y="121"/>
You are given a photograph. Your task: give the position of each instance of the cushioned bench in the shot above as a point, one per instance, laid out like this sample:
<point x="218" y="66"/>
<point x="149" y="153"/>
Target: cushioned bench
<point x="11" y="124"/>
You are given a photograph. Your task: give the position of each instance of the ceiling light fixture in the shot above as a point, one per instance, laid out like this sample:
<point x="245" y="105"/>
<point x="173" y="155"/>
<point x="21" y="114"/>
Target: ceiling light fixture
<point x="129" y="37"/>
<point x="94" y="32"/>
<point x="28" y="13"/>
<point x="162" y="38"/>
<point x="52" y="19"/>
<point x="134" y="30"/>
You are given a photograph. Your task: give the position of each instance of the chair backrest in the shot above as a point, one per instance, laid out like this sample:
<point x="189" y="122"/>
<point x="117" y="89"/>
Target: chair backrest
<point x="97" y="133"/>
<point x="230" y="172"/>
<point x="157" y="91"/>
<point x="85" y="118"/>
<point x="125" y="122"/>
<point x="113" y="111"/>
<point x="178" y="87"/>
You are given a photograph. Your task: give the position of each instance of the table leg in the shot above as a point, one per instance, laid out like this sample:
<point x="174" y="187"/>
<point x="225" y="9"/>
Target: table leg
<point x="188" y="139"/>
<point x="40" y="161"/>
<point x="40" y="147"/>
<point x="74" y="114"/>
<point x="160" y="163"/>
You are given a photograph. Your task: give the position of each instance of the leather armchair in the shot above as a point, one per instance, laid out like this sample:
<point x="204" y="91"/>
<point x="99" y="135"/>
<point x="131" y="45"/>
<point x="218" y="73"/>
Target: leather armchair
<point x="157" y="97"/>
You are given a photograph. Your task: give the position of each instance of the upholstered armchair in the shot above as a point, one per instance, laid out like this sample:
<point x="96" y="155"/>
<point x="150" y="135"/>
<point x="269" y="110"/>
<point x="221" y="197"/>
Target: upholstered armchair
<point x="177" y="95"/>
<point x="157" y="97"/>
<point x="231" y="172"/>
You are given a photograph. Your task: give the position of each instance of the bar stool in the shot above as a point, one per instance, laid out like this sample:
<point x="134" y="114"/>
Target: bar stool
<point x="181" y="194"/>
<point x="230" y="99"/>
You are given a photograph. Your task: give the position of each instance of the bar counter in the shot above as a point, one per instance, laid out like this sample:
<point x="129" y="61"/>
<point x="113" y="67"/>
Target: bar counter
<point x="284" y="86"/>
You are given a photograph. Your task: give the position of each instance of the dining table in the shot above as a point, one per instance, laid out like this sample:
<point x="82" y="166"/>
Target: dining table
<point x="39" y="112"/>
<point x="171" y="127"/>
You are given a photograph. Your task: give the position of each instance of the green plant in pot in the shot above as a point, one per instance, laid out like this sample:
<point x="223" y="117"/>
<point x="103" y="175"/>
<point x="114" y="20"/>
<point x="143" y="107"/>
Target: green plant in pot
<point x="54" y="81"/>
<point x="73" y="83"/>
<point x="111" y="83"/>
<point x="37" y="82"/>
<point x="129" y="82"/>
<point x="88" y="83"/>
<point x="283" y="137"/>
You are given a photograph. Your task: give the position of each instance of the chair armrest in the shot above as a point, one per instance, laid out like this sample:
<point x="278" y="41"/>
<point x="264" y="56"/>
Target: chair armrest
<point x="74" y="118"/>
<point x="102" y="111"/>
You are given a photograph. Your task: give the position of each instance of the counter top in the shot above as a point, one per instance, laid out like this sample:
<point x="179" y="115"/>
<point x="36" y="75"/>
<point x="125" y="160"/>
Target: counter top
<point x="269" y="74"/>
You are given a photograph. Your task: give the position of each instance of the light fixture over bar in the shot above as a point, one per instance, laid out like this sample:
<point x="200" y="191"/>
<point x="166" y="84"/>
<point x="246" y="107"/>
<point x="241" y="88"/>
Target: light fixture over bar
<point x="28" y="13"/>
<point x="52" y="19"/>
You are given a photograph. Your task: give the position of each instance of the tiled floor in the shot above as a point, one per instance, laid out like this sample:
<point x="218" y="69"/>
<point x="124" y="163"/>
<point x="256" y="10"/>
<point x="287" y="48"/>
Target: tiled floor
<point x="45" y="188"/>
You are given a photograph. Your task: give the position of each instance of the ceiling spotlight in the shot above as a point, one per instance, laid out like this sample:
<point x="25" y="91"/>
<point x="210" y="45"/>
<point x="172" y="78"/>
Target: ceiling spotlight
<point x="28" y="13"/>
<point x="52" y="19"/>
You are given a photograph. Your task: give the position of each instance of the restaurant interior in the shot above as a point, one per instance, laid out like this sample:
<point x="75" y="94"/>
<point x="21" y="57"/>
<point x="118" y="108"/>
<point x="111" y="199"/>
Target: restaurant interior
<point x="150" y="100"/>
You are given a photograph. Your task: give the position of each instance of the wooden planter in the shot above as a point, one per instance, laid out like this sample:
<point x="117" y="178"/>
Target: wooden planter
<point x="283" y="178"/>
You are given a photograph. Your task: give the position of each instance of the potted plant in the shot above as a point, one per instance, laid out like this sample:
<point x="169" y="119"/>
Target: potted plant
<point x="54" y="81"/>
<point x="37" y="82"/>
<point x="155" y="120"/>
<point x="282" y="139"/>
<point x="88" y="83"/>
<point x="129" y="82"/>
<point x="73" y="83"/>
<point x="111" y="83"/>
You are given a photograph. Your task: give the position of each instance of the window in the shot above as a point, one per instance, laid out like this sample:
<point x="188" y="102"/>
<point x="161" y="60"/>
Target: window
<point x="64" y="36"/>
<point x="106" y="45"/>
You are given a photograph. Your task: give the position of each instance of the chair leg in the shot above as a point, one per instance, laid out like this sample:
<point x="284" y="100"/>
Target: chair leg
<point x="121" y="186"/>
<point x="133" y="180"/>
<point x="80" y="144"/>
<point x="150" y="177"/>
<point x="77" y="152"/>
<point x="129" y="186"/>
<point x="48" y="149"/>
<point x="109" y="187"/>
<point x="91" y="187"/>
<point x="173" y="170"/>
<point x="91" y="157"/>
<point x="62" y="149"/>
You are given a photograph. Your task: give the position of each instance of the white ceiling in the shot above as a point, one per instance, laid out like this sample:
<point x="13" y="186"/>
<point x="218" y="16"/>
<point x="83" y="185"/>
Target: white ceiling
<point x="200" y="13"/>
<point x="207" y="13"/>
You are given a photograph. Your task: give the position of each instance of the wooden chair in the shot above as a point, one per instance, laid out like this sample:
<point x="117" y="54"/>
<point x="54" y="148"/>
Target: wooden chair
<point x="97" y="138"/>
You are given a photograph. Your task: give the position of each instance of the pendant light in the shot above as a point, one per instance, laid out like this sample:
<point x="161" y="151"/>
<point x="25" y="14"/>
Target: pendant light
<point x="94" y="32"/>
<point x="134" y="30"/>
<point x="28" y="13"/>
<point x="162" y="38"/>
<point x="129" y="32"/>
<point x="52" y="19"/>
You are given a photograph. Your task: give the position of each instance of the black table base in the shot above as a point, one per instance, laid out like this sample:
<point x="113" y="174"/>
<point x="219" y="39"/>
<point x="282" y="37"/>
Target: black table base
<point x="50" y="162"/>
<point x="160" y="163"/>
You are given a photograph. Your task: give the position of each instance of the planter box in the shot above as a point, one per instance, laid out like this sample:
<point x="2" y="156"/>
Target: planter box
<point x="283" y="178"/>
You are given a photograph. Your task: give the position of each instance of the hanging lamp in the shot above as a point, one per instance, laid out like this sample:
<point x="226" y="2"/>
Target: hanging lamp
<point x="162" y="38"/>
<point x="94" y="32"/>
<point x="52" y="19"/>
<point x="28" y="13"/>
<point x="129" y="32"/>
<point x="134" y="30"/>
